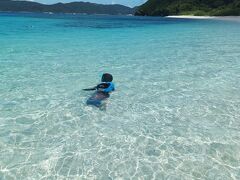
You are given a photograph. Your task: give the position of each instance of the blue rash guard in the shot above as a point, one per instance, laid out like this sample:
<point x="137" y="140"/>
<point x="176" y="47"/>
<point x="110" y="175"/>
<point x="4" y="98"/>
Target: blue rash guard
<point x="106" y="87"/>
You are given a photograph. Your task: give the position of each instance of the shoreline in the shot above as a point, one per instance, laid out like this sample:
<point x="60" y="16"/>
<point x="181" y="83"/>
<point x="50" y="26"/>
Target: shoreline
<point x="60" y="13"/>
<point x="191" y="17"/>
<point x="226" y="18"/>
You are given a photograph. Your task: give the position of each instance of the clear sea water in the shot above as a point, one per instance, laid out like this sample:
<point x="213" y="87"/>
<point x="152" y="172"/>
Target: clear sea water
<point x="175" y="113"/>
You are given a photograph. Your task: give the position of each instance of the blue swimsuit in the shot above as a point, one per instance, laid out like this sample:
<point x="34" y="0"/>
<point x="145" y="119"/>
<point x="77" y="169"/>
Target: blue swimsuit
<point x="102" y="93"/>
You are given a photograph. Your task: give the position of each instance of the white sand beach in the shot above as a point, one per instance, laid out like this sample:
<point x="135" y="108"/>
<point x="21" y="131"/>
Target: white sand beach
<point x="191" y="17"/>
<point x="228" y="18"/>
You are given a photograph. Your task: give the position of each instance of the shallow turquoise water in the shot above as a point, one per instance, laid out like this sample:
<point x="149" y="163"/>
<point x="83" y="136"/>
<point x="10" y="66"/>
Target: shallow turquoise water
<point x="175" y="114"/>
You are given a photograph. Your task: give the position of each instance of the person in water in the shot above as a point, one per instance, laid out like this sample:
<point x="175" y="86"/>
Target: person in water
<point x="102" y="90"/>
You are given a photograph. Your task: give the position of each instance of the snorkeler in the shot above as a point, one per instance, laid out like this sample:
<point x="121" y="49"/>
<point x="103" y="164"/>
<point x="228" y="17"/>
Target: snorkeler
<point x="103" y="90"/>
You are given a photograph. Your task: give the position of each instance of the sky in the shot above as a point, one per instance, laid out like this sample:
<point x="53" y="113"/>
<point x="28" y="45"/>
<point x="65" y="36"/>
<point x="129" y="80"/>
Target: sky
<point x="130" y="3"/>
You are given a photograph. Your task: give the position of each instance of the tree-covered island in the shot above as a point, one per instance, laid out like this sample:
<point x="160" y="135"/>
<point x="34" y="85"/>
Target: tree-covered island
<point x="189" y="7"/>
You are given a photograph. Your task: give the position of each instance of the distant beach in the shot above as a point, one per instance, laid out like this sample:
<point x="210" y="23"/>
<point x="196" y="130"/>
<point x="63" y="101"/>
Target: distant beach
<point x="190" y="17"/>
<point x="229" y="18"/>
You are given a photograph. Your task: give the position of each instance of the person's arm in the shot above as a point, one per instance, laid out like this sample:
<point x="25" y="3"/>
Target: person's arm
<point x="90" y="89"/>
<point x="103" y="86"/>
<point x="99" y="86"/>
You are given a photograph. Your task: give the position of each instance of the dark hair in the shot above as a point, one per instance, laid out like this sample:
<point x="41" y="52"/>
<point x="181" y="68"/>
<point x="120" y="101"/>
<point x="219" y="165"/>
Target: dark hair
<point x="106" y="77"/>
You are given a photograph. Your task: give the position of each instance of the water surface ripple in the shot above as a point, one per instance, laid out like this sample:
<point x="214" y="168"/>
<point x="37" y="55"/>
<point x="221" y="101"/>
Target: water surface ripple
<point x="174" y="115"/>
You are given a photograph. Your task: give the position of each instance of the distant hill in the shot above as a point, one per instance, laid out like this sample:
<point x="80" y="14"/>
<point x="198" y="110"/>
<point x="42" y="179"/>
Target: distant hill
<point x="189" y="7"/>
<point x="74" y="7"/>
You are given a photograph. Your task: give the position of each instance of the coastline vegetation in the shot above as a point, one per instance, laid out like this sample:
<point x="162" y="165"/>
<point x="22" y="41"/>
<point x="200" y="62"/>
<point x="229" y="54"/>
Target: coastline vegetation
<point x="72" y="7"/>
<point x="189" y="7"/>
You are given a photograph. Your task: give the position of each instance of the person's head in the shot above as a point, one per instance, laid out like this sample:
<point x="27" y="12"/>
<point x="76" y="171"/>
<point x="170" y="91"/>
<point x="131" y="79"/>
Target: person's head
<point x="106" y="77"/>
